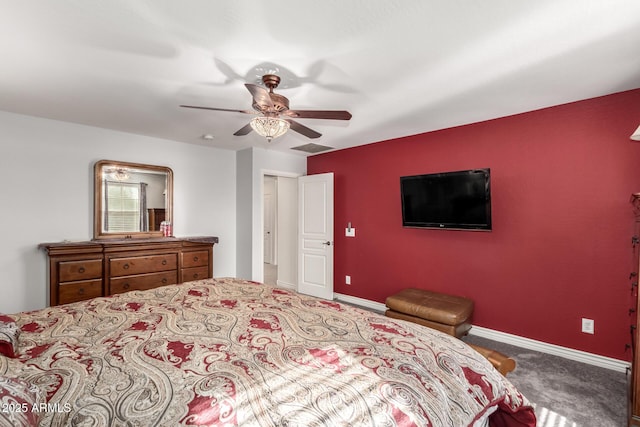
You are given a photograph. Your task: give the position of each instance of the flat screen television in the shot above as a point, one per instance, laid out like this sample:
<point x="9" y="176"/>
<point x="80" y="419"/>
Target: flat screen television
<point x="449" y="200"/>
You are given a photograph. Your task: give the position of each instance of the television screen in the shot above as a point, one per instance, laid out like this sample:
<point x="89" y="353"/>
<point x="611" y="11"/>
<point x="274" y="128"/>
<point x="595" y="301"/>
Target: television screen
<point x="457" y="200"/>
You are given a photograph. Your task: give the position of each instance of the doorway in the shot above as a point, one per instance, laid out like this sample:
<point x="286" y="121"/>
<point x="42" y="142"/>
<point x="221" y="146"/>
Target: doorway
<point x="270" y="230"/>
<point x="280" y="228"/>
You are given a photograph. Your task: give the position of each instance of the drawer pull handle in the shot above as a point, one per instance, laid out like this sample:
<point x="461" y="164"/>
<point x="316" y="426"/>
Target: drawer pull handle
<point x="195" y="258"/>
<point x="164" y="262"/>
<point x="195" y="275"/>
<point x="126" y="266"/>
<point x="164" y="280"/>
<point x="81" y="291"/>
<point x="81" y="270"/>
<point x="125" y="286"/>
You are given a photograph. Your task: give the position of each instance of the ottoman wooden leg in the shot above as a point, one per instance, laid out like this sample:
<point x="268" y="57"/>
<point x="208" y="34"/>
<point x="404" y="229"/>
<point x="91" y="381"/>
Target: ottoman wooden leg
<point x="501" y="362"/>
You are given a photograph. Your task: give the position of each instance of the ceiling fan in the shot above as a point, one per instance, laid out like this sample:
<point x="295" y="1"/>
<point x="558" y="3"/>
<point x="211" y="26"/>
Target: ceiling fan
<point x="270" y="106"/>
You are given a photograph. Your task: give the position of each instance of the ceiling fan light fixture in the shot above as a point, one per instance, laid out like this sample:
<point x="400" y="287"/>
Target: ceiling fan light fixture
<point x="120" y="174"/>
<point x="269" y="127"/>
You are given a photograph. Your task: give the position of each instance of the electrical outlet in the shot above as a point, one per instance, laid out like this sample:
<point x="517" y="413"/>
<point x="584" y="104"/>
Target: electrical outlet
<point x="588" y="326"/>
<point x="347" y="280"/>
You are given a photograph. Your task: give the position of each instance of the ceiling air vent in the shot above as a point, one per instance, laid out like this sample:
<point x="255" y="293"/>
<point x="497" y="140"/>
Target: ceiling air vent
<point x="312" y="148"/>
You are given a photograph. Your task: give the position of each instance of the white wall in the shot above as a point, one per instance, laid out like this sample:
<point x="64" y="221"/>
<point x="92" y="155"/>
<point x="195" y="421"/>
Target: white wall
<point x="46" y="187"/>
<point x="244" y="205"/>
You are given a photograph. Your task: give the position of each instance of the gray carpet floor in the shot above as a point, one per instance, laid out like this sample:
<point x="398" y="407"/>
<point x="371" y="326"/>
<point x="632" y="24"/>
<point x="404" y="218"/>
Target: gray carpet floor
<point x="565" y="393"/>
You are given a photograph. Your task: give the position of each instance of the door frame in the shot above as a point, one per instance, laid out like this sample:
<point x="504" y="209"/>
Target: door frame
<point x="257" y="262"/>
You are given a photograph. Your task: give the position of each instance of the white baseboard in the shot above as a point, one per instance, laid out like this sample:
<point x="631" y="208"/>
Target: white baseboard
<point x="376" y="306"/>
<point x="556" y="350"/>
<point x="286" y="285"/>
<point x="518" y="341"/>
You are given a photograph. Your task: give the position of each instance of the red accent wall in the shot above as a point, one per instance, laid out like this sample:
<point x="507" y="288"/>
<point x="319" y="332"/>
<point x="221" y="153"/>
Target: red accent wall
<point x="560" y="248"/>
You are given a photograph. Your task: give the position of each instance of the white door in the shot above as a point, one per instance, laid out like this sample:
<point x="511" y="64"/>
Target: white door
<point x="315" y="235"/>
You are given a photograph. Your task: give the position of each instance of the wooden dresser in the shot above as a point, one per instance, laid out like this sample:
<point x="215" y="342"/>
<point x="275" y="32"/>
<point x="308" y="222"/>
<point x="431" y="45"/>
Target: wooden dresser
<point x="634" y="386"/>
<point x="156" y="216"/>
<point x="84" y="270"/>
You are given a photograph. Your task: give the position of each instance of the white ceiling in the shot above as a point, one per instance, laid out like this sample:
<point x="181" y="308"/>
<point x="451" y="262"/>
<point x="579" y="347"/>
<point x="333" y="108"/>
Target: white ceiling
<point x="401" y="67"/>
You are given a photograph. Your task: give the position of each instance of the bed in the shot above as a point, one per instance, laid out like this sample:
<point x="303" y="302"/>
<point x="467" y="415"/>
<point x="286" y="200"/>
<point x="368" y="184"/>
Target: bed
<point x="226" y="352"/>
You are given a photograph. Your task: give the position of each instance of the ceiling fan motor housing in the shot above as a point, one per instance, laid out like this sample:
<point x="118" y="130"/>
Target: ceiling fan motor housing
<point x="280" y="104"/>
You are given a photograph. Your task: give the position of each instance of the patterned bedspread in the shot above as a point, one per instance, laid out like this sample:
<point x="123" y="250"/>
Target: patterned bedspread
<point x="231" y="352"/>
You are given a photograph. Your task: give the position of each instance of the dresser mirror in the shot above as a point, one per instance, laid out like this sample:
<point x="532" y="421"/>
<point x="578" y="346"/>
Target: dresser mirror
<point x="131" y="200"/>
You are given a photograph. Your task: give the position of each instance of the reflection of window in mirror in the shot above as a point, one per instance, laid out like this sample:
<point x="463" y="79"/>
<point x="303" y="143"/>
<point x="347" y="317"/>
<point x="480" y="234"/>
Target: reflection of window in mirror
<point x="125" y="206"/>
<point x="132" y="199"/>
<point x="133" y="204"/>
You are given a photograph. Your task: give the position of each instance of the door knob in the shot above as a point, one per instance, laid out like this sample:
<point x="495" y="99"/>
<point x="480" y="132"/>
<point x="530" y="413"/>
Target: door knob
<point x="328" y="243"/>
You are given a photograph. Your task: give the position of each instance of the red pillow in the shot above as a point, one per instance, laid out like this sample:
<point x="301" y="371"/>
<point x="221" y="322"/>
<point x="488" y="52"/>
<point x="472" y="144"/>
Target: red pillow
<point x="9" y="333"/>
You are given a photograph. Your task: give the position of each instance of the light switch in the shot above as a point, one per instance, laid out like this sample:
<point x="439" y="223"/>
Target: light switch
<point x="350" y="232"/>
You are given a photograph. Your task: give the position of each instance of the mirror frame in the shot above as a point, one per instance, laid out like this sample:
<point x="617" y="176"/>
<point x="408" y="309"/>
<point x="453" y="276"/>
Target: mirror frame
<point x="98" y="173"/>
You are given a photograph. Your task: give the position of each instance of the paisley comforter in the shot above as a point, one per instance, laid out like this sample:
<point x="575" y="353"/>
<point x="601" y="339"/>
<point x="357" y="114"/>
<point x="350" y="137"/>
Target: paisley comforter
<point x="226" y="352"/>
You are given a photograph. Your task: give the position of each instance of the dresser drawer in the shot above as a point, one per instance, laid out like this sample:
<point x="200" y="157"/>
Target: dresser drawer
<point x="79" y="291"/>
<point x="71" y="271"/>
<point x="195" y="259"/>
<point x="194" y="273"/>
<point x="142" y="264"/>
<point x="142" y="281"/>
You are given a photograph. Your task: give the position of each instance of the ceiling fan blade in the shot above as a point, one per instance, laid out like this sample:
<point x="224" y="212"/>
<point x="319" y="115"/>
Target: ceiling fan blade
<point x="318" y="114"/>
<point x="221" y="109"/>
<point x="244" y="130"/>
<point x="260" y="96"/>
<point x="302" y="129"/>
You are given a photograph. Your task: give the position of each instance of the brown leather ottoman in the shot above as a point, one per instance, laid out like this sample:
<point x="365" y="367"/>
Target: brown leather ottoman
<point x="447" y="313"/>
